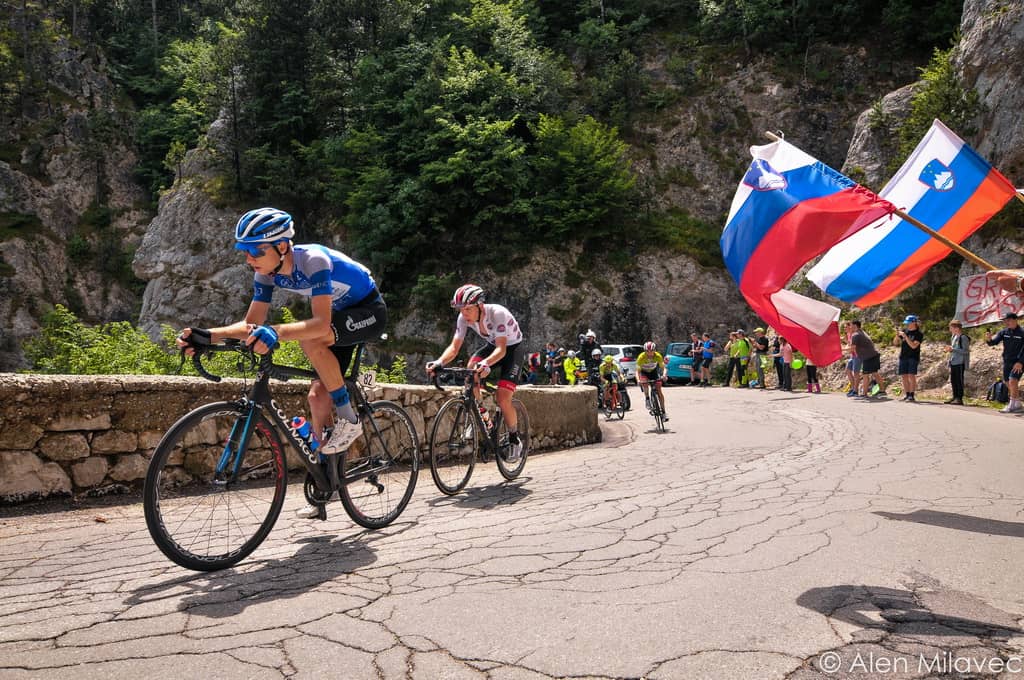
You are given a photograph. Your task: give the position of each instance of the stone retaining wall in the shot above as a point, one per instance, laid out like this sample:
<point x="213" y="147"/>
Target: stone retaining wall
<point x="90" y="435"/>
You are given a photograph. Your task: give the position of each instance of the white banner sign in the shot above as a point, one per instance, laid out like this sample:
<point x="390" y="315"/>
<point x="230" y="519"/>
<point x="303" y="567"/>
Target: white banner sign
<point x="980" y="300"/>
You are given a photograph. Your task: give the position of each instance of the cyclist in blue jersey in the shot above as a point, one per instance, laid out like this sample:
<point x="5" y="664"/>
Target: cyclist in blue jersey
<point x="347" y="310"/>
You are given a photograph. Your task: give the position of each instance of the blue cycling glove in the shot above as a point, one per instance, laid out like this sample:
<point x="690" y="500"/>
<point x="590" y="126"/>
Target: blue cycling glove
<point x="266" y="335"/>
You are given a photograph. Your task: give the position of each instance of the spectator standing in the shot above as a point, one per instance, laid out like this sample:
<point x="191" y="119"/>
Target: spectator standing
<point x="1012" y="338"/>
<point x="707" y="354"/>
<point x="730" y="358"/>
<point x="909" y="339"/>
<point x="785" y="355"/>
<point x="744" y="355"/>
<point x="812" y="376"/>
<point x="760" y="354"/>
<point x="959" y="360"/>
<point x="777" y="360"/>
<point x="695" y="347"/>
<point x="572" y="367"/>
<point x="550" y="352"/>
<point x="853" y="365"/>
<point x="559" y="364"/>
<point x="871" y="360"/>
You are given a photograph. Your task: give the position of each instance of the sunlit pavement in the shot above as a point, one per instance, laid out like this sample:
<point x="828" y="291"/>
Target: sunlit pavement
<point x="766" y="535"/>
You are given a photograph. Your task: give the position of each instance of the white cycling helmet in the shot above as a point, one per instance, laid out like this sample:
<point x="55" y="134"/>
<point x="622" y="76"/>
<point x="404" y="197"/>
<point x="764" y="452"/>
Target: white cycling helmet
<point x="469" y="294"/>
<point x="571" y="353"/>
<point x="596" y="353"/>
<point x="649" y="346"/>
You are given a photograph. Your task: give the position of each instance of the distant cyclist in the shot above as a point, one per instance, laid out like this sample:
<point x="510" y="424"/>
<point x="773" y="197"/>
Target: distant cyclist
<point x="502" y="350"/>
<point x="610" y="374"/>
<point x="650" y="367"/>
<point x="347" y="310"/>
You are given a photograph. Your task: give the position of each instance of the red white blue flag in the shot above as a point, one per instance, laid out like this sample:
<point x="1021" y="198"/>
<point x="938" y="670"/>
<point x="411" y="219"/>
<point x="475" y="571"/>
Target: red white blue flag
<point x="789" y="209"/>
<point x="947" y="186"/>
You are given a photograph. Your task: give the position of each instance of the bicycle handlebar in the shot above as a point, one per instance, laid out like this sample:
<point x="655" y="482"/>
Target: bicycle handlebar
<point x="453" y="370"/>
<point x="230" y="345"/>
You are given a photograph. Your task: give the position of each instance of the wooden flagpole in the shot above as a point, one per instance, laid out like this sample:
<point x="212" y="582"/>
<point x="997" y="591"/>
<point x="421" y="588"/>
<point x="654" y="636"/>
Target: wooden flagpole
<point x="967" y="255"/>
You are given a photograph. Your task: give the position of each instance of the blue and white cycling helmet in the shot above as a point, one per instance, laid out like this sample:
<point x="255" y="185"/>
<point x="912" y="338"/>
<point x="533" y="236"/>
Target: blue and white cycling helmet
<point x="911" y="318"/>
<point x="263" y="225"/>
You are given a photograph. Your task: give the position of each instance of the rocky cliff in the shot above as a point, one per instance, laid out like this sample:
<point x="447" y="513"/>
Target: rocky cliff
<point x="70" y="210"/>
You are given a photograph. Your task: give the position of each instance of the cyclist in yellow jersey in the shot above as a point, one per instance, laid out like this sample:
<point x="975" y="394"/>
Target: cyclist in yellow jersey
<point x="650" y="367"/>
<point x="610" y="373"/>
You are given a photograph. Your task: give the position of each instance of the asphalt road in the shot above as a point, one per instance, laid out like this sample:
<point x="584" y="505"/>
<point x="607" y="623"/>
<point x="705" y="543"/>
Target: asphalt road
<point x="767" y="535"/>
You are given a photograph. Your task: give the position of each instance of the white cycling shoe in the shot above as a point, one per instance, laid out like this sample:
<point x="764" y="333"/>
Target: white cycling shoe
<point x="308" y="512"/>
<point x="344" y="434"/>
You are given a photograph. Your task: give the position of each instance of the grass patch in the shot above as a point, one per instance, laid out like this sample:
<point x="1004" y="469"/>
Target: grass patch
<point x="573" y="279"/>
<point x="684" y="233"/>
<point x="18" y="225"/>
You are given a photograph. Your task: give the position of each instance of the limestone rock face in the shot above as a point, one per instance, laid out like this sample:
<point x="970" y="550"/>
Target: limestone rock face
<point x="82" y="153"/>
<point x="195" y="276"/>
<point x="988" y="59"/>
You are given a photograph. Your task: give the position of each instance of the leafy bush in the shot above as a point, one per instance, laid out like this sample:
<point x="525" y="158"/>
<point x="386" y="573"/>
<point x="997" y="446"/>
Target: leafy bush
<point x="65" y="345"/>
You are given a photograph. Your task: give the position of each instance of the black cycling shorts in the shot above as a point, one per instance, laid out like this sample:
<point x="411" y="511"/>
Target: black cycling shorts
<point x="507" y="370"/>
<point x="362" y="322"/>
<point x="650" y="375"/>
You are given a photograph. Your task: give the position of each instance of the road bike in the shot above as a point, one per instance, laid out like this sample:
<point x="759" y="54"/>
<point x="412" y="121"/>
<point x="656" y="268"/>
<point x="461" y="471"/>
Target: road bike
<point x="217" y="479"/>
<point x="656" y="408"/>
<point x="459" y="433"/>
<point x="621" y="388"/>
<point x="613" y="403"/>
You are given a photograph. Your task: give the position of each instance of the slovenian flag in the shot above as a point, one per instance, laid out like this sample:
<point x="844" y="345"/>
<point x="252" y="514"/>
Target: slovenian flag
<point x="946" y="185"/>
<point x="789" y="209"/>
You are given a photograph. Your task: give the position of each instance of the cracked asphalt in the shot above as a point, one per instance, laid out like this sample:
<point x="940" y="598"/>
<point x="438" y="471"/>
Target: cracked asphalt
<point x="766" y="535"/>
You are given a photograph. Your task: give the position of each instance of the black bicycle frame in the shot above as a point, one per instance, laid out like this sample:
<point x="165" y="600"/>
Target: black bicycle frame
<point x="259" y="399"/>
<point x="469" y="398"/>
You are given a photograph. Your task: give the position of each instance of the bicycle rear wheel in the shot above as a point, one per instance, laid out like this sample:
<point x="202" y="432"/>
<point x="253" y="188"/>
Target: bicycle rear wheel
<point x="205" y="519"/>
<point x="512" y="470"/>
<point x="379" y="470"/>
<point x="453" y="445"/>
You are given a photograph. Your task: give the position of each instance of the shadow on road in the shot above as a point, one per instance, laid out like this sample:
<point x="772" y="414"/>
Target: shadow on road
<point x="952" y="520"/>
<point x="504" y="493"/>
<point x="226" y="593"/>
<point x="907" y="613"/>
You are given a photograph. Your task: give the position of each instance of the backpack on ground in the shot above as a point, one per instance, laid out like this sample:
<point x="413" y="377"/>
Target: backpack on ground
<point x="999" y="392"/>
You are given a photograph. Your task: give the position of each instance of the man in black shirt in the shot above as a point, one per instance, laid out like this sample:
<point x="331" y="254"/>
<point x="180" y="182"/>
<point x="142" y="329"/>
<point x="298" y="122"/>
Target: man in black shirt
<point x="909" y="338"/>
<point x="1012" y="337"/>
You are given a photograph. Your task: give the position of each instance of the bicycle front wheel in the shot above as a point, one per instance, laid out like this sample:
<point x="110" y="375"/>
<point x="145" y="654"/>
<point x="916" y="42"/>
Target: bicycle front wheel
<point x="511" y="470"/>
<point x="215" y="486"/>
<point x="620" y="406"/>
<point x="379" y="470"/>
<point x="453" y="444"/>
<point x="657" y="411"/>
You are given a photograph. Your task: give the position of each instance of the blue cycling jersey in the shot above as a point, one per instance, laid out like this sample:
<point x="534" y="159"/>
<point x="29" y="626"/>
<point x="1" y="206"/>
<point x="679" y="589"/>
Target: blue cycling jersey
<point x="319" y="271"/>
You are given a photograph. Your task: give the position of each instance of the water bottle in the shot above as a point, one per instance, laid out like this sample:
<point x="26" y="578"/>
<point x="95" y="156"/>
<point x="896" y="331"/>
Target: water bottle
<point x="302" y="428"/>
<point x="486" y="417"/>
